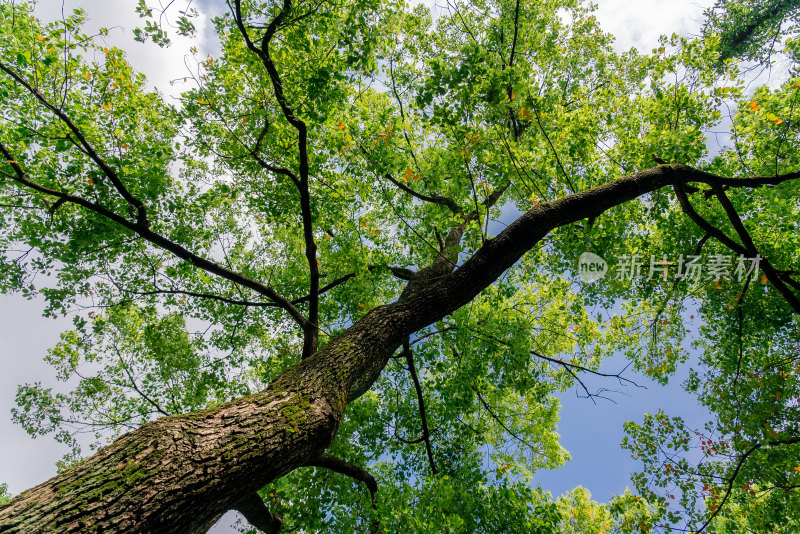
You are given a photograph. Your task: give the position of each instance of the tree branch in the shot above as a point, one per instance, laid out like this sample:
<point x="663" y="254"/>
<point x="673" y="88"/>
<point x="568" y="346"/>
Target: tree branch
<point x="255" y="511"/>
<point x="426" y="435"/>
<point x="310" y="327"/>
<point x="732" y="478"/>
<point x="772" y="274"/>
<point x="156" y="239"/>
<point x="434" y="199"/>
<point x="141" y="214"/>
<point x="748" y="247"/>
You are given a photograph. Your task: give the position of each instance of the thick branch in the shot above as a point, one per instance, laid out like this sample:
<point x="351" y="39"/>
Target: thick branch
<point x="347" y="469"/>
<point x="253" y="508"/>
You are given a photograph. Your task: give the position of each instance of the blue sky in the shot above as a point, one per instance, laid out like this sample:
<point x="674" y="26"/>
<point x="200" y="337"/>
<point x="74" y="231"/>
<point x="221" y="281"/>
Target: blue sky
<point x="590" y="432"/>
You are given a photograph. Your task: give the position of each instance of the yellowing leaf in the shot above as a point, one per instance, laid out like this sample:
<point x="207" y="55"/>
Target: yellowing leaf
<point x="201" y="102"/>
<point x="88" y="75"/>
<point x="107" y="106"/>
<point x="778" y="121"/>
<point x="376" y="232"/>
<point x="39" y="37"/>
<point x="363" y="224"/>
<point x="90" y="182"/>
<point x="340" y="126"/>
<point x="754" y="106"/>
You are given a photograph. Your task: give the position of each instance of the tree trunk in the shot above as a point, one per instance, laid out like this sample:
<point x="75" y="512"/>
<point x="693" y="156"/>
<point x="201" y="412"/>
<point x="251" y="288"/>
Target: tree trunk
<point x="180" y="473"/>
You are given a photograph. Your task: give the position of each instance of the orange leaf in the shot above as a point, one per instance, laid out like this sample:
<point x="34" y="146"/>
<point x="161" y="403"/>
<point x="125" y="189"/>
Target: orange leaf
<point x="778" y="121"/>
<point x="764" y="278"/>
<point x="363" y="224"/>
<point x="360" y="305"/>
<point x="88" y="75"/>
<point x="754" y="106"/>
<point x="340" y="126"/>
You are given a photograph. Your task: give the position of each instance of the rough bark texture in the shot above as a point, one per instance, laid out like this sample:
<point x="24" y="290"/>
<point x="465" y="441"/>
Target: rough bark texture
<point x="178" y="474"/>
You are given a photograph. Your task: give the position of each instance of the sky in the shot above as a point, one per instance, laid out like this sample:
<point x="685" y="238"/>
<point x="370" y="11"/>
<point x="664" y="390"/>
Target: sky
<point x="590" y="432"/>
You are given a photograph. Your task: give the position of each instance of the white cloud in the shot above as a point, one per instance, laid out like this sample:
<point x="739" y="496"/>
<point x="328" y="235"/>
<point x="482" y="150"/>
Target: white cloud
<point x="160" y="65"/>
<point x="639" y="24"/>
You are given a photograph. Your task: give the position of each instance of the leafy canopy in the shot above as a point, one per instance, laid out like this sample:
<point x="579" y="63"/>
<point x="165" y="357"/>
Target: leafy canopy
<point x="415" y="123"/>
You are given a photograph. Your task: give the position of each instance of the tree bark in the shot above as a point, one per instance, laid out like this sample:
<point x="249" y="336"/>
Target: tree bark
<point x="180" y="473"/>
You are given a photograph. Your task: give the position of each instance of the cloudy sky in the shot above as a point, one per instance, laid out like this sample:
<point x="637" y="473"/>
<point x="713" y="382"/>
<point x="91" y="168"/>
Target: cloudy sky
<point x="591" y="433"/>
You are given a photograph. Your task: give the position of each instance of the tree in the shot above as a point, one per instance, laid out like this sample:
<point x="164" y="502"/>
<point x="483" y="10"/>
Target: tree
<point x="296" y="276"/>
<point x="751" y="30"/>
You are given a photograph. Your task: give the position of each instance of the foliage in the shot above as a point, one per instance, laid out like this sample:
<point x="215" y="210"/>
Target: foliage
<point x="752" y="30"/>
<point x="414" y="124"/>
